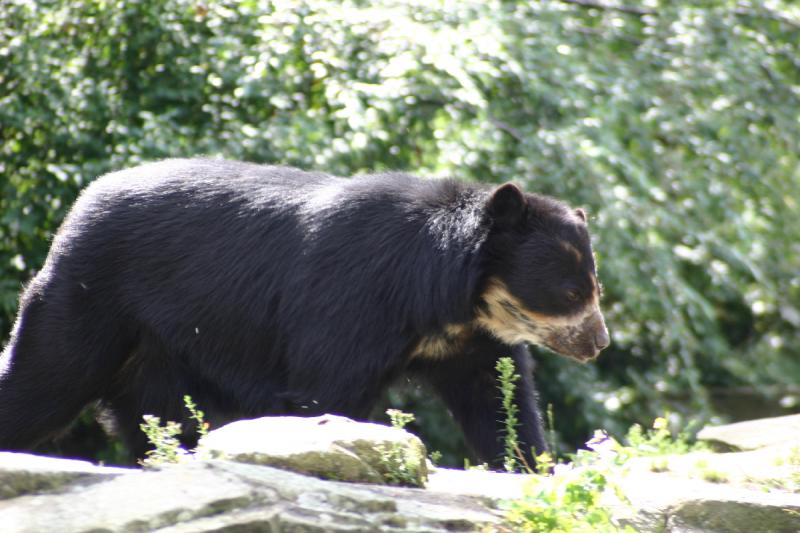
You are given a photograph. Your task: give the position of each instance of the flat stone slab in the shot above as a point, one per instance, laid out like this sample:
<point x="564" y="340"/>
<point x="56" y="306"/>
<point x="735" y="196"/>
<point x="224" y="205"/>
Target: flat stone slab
<point x="763" y="468"/>
<point x="494" y="486"/>
<point x="753" y="434"/>
<point x="668" y="503"/>
<point x="22" y="473"/>
<point x="213" y="495"/>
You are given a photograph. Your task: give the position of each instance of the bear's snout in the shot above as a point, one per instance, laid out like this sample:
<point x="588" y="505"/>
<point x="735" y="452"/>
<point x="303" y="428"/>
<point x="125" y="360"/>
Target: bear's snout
<point x="582" y="340"/>
<point x="601" y="339"/>
<point x="593" y="337"/>
<point x="599" y="330"/>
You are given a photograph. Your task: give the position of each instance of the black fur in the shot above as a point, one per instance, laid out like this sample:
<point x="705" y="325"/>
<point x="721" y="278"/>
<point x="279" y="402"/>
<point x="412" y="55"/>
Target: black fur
<point x="267" y="290"/>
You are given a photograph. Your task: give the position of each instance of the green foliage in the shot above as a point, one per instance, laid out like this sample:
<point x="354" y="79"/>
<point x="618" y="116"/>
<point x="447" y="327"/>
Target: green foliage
<point x="569" y="497"/>
<point x="167" y="447"/>
<point x="399" y="419"/>
<point x="164" y="439"/>
<point x="506" y="379"/>
<point x="674" y="123"/>
<point x="435" y="457"/>
<point x="197" y="415"/>
<point x="432" y="423"/>
<point x="399" y="463"/>
<point x="659" y="440"/>
<point x="564" y="503"/>
<point x="573" y="496"/>
<point x="656" y="442"/>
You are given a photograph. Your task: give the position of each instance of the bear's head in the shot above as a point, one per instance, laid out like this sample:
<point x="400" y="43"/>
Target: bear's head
<point x="542" y="286"/>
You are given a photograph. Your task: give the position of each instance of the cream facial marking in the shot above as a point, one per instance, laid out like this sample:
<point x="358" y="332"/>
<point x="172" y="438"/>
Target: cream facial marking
<point x="505" y="317"/>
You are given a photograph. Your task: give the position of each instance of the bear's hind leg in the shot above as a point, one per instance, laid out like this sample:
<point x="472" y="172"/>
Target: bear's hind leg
<point x="128" y="408"/>
<point x="56" y="362"/>
<point x="154" y="381"/>
<point x="153" y="389"/>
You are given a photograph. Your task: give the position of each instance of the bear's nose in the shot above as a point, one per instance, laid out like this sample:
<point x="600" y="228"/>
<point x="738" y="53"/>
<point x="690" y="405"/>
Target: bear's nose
<point x="601" y="338"/>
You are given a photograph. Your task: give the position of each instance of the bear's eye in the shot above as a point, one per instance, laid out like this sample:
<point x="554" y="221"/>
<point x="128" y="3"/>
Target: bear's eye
<point x="573" y="295"/>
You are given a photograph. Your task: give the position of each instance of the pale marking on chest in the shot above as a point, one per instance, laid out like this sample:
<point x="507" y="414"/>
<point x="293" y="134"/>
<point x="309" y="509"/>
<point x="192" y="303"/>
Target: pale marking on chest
<point x="443" y="344"/>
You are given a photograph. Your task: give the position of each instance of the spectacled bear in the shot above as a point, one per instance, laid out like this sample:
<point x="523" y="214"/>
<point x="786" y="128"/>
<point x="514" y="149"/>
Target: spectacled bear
<point x="264" y="290"/>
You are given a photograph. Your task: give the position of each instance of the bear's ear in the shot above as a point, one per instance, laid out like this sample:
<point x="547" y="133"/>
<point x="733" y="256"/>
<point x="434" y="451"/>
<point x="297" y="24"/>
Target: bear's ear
<point x="581" y="214"/>
<point x="507" y="205"/>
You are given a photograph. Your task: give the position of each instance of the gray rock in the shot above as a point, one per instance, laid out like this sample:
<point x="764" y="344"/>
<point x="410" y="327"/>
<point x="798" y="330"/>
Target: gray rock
<point x="222" y="495"/>
<point x="329" y="447"/>
<point x="671" y="502"/>
<point x="721" y="492"/>
<point x="493" y="487"/>
<point x="138" y="501"/>
<point x="664" y="502"/>
<point x="23" y="473"/>
<point x="761" y="468"/>
<point x="57" y="495"/>
<point x="753" y="434"/>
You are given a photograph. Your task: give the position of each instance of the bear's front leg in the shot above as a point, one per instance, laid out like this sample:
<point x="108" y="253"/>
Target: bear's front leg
<point x="468" y="384"/>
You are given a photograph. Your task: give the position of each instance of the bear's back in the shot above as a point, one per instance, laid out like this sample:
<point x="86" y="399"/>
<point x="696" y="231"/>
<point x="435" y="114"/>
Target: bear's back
<point x="208" y="241"/>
